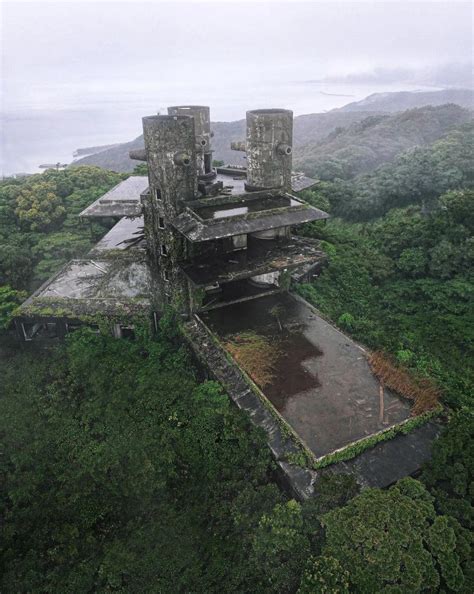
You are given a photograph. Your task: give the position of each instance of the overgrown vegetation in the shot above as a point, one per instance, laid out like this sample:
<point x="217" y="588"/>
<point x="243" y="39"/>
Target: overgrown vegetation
<point x="422" y="391"/>
<point x="121" y="470"/>
<point x="256" y="354"/>
<point x="39" y="226"/>
<point x="362" y="146"/>
<point x="403" y="284"/>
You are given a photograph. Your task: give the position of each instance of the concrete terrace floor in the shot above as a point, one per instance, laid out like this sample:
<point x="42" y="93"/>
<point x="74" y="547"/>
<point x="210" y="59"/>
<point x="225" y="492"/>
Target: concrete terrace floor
<point x="322" y="384"/>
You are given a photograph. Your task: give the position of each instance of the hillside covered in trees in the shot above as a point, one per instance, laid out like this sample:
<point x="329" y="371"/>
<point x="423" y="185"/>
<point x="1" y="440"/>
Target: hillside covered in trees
<point x="363" y="145"/>
<point x="123" y="470"/>
<point x="337" y="132"/>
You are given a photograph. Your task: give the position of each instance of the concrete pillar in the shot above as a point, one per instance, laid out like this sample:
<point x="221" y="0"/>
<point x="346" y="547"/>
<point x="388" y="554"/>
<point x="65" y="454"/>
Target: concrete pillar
<point x="202" y="128"/>
<point x="171" y="156"/>
<point x="269" y="149"/>
<point x="170" y="151"/>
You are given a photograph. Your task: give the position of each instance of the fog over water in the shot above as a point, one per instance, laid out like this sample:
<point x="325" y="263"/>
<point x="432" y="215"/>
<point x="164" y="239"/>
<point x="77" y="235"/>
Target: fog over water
<point x="81" y="74"/>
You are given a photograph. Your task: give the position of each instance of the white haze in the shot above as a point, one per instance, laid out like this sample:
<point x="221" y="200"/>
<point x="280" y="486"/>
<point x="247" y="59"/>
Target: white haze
<point x="78" y="74"/>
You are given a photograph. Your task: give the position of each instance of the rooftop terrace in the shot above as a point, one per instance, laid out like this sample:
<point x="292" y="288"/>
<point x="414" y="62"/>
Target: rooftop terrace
<point x="330" y="398"/>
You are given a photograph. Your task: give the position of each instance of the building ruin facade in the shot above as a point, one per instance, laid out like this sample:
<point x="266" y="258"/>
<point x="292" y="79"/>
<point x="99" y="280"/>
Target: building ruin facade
<point x="220" y="247"/>
<point x="188" y="235"/>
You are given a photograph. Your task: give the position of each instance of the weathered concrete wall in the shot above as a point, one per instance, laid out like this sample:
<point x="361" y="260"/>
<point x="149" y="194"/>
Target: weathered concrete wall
<point x="171" y="156"/>
<point x="269" y="148"/>
<point x="171" y="152"/>
<point x="202" y="129"/>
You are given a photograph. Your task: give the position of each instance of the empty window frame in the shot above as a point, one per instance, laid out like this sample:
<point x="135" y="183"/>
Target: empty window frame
<point x="33" y="330"/>
<point x="164" y="250"/>
<point x="161" y="222"/>
<point x="124" y="331"/>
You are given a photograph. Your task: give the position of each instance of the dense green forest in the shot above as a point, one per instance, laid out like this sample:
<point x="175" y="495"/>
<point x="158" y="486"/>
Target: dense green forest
<point x="123" y="470"/>
<point x="362" y="146"/>
<point x="40" y="229"/>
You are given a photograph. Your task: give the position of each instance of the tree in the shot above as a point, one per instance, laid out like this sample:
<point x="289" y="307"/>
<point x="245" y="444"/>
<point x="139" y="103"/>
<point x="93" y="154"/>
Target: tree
<point x="9" y="301"/>
<point x="121" y="472"/>
<point x="280" y="548"/>
<point x="324" y="575"/>
<point x="450" y="474"/>
<point x="394" y="541"/>
<point x="39" y="207"/>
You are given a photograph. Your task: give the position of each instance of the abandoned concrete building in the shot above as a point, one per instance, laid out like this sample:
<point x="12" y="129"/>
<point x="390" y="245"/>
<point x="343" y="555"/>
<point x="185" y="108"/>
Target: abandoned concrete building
<point x="219" y="246"/>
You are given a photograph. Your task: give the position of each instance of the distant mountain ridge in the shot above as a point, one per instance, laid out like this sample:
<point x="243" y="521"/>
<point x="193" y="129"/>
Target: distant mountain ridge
<point x="401" y="100"/>
<point x="366" y="144"/>
<point x="309" y="130"/>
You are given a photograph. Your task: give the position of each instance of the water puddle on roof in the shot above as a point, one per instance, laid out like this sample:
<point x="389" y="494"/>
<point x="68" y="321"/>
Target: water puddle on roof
<point x="230" y="212"/>
<point x="239" y="208"/>
<point x="291" y="376"/>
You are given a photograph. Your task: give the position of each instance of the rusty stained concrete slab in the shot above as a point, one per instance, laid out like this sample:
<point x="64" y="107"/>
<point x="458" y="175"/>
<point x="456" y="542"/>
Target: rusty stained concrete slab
<point x="323" y="386"/>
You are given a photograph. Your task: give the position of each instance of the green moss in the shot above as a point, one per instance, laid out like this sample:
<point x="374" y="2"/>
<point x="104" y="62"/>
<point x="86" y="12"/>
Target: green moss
<point x="354" y="449"/>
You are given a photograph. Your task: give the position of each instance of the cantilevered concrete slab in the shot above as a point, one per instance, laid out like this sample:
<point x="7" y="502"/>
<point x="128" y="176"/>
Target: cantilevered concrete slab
<point x="216" y="218"/>
<point x="266" y="256"/>
<point x="123" y="200"/>
<point x="322" y="384"/>
<point x="88" y="286"/>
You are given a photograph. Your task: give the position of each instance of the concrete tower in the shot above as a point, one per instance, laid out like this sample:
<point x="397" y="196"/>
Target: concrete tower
<point x="202" y="128"/>
<point x="269" y="149"/>
<point x="171" y="155"/>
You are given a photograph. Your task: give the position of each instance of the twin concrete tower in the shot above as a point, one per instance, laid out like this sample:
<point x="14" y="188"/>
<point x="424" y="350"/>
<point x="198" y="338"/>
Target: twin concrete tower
<point x="179" y="156"/>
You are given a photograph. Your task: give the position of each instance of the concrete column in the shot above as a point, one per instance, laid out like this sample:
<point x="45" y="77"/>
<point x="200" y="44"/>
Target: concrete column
<point x="171" y="156"/>
<point x="202" y="128"/>
<point x="269" y="149"/>
<point x="171" y="153"/>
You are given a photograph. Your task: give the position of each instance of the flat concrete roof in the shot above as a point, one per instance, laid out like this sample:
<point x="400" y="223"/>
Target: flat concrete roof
<point x="330" y="398"/>
<point x="123" y="200"/>
<point x="124" y="234"/>
<point x="238" y="177"/>
<point x="86" y="286"/>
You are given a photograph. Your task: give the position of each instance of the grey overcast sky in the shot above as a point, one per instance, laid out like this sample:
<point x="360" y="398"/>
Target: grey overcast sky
<point x="103" y="47"/>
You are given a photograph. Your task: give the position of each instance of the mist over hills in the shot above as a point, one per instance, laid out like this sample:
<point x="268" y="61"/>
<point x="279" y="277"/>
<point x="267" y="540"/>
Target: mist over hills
<point x="320" y="137"/>
<point x="363" y="145"/>
<point x="391" y="102"/>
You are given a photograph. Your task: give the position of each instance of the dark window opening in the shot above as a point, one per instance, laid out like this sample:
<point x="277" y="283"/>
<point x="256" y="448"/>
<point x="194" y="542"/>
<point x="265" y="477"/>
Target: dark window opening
<point x="127" y="332"/>
<point x="207" y="163"/>
<point x="158" y="194"/>
<point x="73" y="326"/>
<point x="164" y="250"/>
<point x="161" y="223"/>
<point x="34" y="330"/>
